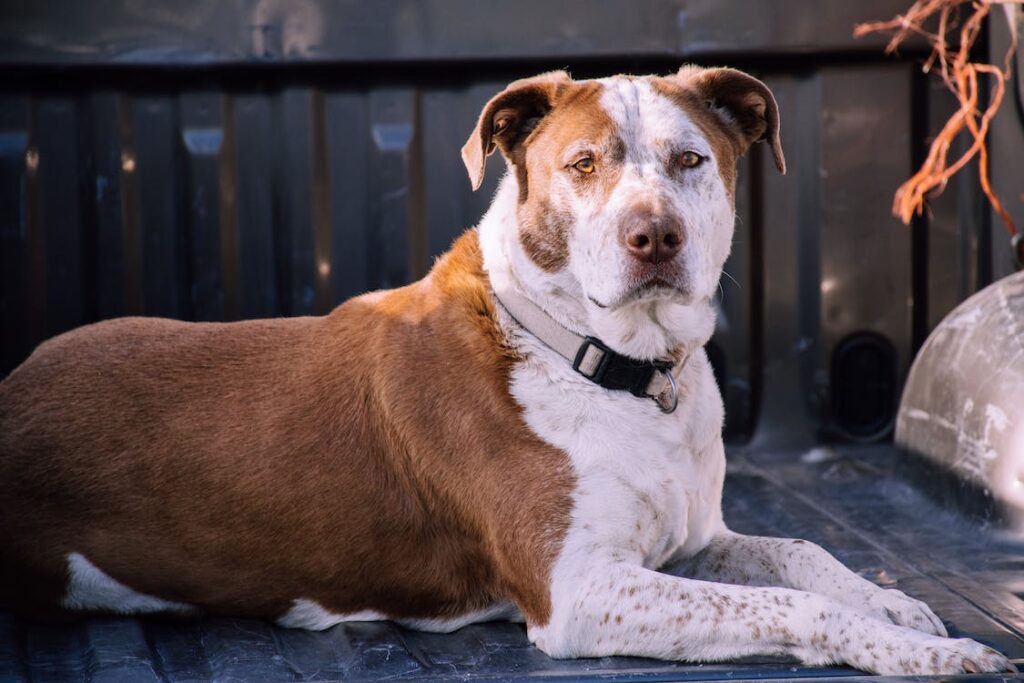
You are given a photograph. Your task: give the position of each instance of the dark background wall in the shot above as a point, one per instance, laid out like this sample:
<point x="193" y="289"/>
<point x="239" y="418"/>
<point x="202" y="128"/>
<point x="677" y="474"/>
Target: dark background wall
<point x="244" y="158"/>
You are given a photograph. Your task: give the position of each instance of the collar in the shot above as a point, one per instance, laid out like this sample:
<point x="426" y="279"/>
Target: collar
<point x="593" y="359"/>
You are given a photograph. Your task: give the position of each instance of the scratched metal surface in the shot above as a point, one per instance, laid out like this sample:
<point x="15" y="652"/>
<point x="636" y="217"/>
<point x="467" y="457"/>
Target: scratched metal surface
<point x="851" y="502"/>
<point x="961" y="406"/>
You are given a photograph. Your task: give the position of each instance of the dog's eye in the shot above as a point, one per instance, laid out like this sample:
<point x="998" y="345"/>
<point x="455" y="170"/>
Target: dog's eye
<point x="585" y="165"/>
<point x="690" y="159"/>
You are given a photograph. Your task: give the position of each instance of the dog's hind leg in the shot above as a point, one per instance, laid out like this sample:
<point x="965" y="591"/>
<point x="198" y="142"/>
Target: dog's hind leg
<point x="622" y="609"/>
<point x="758" y="561"/>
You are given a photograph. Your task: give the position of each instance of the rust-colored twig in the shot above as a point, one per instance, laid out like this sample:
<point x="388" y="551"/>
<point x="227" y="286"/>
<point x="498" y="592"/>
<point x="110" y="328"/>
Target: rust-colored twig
<point x="961" y="76"/>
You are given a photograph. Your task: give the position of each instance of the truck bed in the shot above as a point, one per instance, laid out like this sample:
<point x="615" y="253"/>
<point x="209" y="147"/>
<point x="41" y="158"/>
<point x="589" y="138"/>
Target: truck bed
<point x="857" y="502"/>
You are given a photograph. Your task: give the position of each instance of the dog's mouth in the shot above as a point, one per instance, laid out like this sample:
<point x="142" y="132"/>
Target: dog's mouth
<point x="649" y="289"/>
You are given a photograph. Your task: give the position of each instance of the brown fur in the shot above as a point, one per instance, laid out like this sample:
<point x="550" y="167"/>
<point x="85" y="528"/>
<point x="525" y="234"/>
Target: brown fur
<point x="533" y="121"/>
<point x="576" y="115"/>
<point x="368" y="459"/>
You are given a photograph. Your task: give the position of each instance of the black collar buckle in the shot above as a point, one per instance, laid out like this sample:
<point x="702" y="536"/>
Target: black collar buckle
<point x="602" y="366"/>
<point x="616" y="371"/>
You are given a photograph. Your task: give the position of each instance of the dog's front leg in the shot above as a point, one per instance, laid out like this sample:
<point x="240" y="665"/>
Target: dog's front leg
<point x="628" y="610"/>
<point x="789" y="563"/>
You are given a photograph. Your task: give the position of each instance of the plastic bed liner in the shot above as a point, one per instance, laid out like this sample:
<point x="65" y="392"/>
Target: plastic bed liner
<point x="851" y="502"/>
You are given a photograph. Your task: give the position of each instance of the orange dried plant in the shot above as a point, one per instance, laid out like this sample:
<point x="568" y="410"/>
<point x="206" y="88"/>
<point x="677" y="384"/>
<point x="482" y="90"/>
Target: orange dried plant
<point x="961" y="76"/>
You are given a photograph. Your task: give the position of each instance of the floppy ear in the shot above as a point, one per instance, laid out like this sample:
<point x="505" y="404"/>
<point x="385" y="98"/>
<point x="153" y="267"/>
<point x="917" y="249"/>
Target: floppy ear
<point x="508" y="118"/>
<point x="743" y="102"/>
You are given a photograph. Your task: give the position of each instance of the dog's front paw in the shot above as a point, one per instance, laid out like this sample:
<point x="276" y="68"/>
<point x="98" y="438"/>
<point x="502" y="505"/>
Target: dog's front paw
<point x="945" y="656"/>
<point x="903" y="610"/>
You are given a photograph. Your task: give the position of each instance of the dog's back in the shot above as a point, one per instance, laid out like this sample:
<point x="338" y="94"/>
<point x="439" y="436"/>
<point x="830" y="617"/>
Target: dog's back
<point x="241" y="467"/>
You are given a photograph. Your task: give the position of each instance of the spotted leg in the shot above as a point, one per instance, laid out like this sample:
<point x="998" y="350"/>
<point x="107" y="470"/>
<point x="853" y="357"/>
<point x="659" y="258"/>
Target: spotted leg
<point x="622" y="609"/>
<point x="758" y="561"/>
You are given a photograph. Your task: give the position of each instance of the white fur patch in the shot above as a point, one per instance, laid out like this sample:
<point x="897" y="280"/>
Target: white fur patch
<point x="311" y="615"/>
<point x="500" y="612"/>
<point x="89" y="588"/>
<point x="648" y="484"/>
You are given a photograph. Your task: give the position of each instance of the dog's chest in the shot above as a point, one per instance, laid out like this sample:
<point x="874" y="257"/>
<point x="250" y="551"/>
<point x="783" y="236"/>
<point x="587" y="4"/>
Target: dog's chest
<point x="648" y="484"/>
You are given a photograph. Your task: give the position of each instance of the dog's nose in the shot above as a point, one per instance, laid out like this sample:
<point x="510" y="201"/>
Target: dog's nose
<point x="654" y="238"/>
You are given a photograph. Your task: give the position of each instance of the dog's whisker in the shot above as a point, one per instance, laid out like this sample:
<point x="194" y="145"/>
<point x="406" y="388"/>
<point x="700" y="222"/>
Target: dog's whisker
<point x="726" y="274"/>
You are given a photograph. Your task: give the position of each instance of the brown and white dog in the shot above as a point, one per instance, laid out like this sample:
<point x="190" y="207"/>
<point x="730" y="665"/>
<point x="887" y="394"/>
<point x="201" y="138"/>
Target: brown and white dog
<point x="420" y="455"/>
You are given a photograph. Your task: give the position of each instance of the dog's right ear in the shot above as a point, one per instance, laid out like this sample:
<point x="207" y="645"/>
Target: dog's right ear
<point x="748" y="105"/>
<point x="508" y="119"/>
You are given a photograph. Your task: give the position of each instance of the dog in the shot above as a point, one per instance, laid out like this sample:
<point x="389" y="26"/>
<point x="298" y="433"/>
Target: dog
<point x="527" y="433"/>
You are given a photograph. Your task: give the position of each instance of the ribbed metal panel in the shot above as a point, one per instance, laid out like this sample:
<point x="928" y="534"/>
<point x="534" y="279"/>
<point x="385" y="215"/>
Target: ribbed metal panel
<point x="204" y="183"/>
<point x="220" y="205"/>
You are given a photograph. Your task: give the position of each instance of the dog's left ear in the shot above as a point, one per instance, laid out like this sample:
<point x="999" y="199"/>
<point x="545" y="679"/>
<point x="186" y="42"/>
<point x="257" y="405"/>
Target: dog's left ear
<point x="748" y="104"/>
<point x="508" y="119"/>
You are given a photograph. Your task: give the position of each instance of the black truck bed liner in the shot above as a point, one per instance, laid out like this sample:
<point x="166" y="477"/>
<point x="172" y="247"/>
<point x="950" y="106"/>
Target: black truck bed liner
<point x="851" y="502"/>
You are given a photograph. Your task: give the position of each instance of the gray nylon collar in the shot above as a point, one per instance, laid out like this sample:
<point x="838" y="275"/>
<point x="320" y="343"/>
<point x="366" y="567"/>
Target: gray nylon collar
<point x="589" y="356"/>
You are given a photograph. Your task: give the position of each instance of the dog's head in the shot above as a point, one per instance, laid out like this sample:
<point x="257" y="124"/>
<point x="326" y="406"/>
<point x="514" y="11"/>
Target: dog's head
<point x="625" y="184"/>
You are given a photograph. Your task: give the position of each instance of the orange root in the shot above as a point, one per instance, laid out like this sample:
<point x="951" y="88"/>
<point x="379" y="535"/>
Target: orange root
<point x="960" y="75"/>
